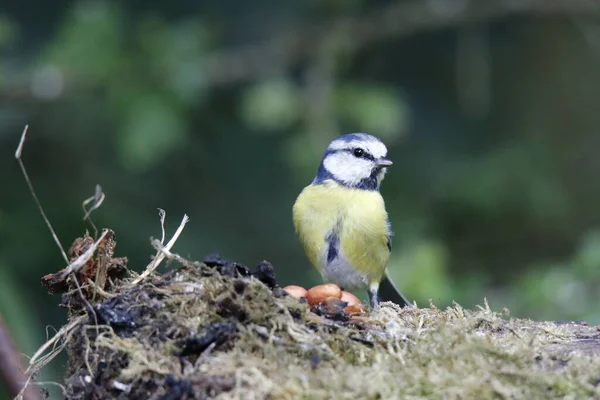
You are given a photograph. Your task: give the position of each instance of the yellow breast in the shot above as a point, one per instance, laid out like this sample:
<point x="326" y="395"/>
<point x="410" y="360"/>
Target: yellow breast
<point x="358" y="216"/>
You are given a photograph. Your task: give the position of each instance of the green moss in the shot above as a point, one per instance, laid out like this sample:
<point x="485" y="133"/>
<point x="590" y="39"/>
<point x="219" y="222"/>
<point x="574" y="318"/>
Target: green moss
<point x="195" y="333"/>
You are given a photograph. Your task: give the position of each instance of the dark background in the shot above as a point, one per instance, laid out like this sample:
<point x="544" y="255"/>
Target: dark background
<point x="221" y="110"/>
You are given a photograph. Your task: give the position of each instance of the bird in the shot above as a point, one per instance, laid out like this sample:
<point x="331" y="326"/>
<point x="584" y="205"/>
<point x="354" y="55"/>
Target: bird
<point x="342" y="222"/>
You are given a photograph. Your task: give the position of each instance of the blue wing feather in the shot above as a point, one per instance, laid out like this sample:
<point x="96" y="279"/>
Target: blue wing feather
<point x="389" y="235"/>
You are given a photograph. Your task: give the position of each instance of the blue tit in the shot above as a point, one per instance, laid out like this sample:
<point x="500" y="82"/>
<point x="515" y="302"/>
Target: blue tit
<point x="342" y="221"/>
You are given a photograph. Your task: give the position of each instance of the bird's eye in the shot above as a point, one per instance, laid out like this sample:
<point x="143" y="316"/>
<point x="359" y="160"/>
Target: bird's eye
<point x="358" y="152"/>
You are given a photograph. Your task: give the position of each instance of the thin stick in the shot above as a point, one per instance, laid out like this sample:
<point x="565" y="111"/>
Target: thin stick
<point x="82" y="259"/>
<point x="35" y="198"/>
<point x="157" y="260"/>
<point x="99" y="290"/>
<point x="162" y="215"/>
<point x="61" y="333"/>
<point x="87" y="303"/>
<point x="21" y="394"/>
<point x="170" y="256"/>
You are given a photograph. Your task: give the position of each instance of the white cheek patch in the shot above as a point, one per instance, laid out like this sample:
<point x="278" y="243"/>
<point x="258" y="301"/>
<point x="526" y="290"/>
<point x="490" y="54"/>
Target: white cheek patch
<point x="347" y="168"/>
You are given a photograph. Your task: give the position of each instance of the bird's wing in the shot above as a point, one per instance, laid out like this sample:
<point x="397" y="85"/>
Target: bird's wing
<point x="390" y="233"/>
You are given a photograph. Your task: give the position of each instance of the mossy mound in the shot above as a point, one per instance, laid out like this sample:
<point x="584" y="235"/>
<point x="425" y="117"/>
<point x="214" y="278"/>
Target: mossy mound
<point x="215" y="329"/>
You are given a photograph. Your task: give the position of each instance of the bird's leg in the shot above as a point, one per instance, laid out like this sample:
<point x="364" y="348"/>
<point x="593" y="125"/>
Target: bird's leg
<point x="373" y="297"/>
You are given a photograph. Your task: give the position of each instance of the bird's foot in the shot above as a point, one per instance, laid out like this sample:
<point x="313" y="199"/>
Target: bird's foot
<point x="373" y="300"/>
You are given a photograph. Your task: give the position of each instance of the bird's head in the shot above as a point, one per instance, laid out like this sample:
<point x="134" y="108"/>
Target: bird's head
<point x="355" y="160"/>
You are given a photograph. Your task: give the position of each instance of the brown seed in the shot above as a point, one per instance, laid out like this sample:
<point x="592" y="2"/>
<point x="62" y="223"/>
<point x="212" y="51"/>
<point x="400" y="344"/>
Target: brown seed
<point x="296" y="292"/>
<point x="355" y="310"/>
<point x="317" y="294"/>
<point x="350" y="298"/>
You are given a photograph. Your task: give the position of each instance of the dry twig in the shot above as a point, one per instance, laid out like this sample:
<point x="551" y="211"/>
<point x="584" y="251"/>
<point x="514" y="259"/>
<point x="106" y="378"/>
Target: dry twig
<point x="161" y="253"/>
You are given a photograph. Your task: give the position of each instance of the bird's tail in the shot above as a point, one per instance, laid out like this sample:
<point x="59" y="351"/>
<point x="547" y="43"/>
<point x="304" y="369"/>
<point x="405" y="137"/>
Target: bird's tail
<point x="389" y="292"/>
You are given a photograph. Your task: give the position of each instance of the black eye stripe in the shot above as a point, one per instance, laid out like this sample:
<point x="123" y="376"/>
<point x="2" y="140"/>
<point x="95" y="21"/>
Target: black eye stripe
<point x="365" y="154"/>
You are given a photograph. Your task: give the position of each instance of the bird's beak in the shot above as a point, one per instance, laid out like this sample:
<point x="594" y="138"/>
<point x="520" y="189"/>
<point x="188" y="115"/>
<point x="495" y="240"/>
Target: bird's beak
<point x="383" y="162"/>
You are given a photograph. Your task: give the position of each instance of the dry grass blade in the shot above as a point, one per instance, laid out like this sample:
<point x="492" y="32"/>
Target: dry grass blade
<point x="170" y="256"/>
<point x="161" y="254"/>
<point x="35" y="198"/>
<point x="82" y="259"/>
<point x="97" y="199"/>
<point x="162" y="214"/>
<point x="62" y="333"/>
<point x="21" y="143"/>
<point x="39" y="359"/>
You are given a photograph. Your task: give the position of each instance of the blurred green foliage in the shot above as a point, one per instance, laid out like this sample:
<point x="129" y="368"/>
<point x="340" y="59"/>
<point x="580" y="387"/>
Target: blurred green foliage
<point x="187" y="108"/>
<point x="271" y="106"/>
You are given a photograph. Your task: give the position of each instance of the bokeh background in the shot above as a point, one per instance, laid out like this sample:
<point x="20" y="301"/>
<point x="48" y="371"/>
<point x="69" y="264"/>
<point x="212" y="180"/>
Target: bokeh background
<point x="221" y="109"/>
